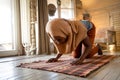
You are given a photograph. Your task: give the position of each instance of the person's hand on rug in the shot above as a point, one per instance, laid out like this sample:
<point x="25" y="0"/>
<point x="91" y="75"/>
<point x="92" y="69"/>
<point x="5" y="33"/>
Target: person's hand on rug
<point x="55" y="59"/>
<point x="76" y="62"/>
<point x="52" y="60"/>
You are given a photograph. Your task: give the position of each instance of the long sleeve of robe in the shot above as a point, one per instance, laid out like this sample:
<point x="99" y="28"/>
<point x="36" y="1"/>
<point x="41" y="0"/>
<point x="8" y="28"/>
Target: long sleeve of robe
<point x="74" y="31"/>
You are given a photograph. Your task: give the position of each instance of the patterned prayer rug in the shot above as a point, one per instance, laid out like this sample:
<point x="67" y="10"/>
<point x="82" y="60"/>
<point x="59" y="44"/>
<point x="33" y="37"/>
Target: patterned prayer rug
<point x="64" y="66"/>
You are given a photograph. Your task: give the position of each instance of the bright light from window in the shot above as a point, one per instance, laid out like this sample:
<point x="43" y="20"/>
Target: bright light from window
<point x="5" y="22"/>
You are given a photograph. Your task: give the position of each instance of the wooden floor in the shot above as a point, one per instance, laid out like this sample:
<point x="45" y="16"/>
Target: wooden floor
<point x="9" y="71"/>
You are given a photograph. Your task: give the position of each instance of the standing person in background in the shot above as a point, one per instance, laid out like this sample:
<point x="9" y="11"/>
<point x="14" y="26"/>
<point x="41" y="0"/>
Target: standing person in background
<point x="91" y="34"/>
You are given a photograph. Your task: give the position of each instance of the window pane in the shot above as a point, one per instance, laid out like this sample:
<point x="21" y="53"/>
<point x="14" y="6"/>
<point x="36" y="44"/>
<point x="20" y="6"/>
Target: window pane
<point x="52" y="2"/>
<point x="5" y="25"/>
<point x="66" y="4"/>
<point x="67" y="13"/>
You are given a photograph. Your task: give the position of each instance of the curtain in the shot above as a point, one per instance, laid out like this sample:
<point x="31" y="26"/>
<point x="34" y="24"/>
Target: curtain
<point x="43" y="40"/>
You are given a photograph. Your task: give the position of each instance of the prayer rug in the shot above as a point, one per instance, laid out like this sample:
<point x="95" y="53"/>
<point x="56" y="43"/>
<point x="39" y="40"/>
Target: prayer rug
<point x="63" y="65"/>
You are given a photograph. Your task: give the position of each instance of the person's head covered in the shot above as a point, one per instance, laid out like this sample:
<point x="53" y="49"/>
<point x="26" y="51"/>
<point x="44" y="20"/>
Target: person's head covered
<point x="86" y="16"/>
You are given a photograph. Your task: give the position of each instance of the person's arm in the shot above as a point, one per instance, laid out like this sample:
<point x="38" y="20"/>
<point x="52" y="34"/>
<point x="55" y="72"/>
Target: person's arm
<point x="88" y="47"/>
<point x="57" y="40"/>
<point x="55" y="59"/>
<point x="58" y="56"/>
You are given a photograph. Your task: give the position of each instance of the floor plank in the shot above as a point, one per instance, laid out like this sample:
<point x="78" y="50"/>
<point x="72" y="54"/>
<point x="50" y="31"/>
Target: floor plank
<point x="114" y="72"/>
<point x="9" y="71"/>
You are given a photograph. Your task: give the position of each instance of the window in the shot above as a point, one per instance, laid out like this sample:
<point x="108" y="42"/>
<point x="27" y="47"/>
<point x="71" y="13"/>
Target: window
<point x="6" y="38"/>
<point x="66" y="10"/>
<point x="10" y="40"/>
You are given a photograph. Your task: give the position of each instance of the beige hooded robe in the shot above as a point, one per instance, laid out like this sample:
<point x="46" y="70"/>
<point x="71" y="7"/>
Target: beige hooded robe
<point x="73" y="30"/>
